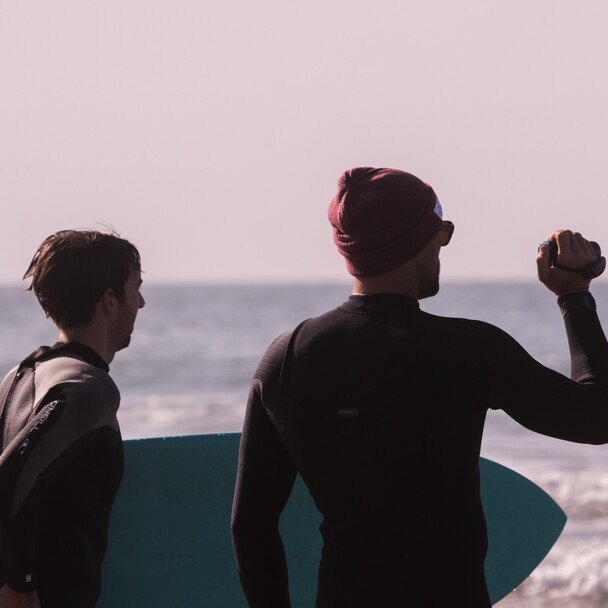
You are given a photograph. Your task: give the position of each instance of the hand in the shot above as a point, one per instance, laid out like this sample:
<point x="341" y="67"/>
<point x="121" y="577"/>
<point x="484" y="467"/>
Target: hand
<point x="574" y="251"/>
<point x="12" y="599"/>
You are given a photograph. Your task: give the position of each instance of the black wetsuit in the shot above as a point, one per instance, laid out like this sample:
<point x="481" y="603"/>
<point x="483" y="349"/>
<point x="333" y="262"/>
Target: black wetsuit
<point x="60" y="467"/>
<point x="380" y="408"/>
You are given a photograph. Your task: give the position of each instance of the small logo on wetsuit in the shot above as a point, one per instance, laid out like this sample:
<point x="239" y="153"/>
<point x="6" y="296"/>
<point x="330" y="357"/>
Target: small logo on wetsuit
<point x="348" y="412"/>
<point x="39" y="424"/>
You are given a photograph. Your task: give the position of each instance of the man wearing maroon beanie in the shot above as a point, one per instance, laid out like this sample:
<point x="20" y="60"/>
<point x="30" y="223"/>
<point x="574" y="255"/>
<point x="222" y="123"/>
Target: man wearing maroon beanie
<point x="380" y="408"/>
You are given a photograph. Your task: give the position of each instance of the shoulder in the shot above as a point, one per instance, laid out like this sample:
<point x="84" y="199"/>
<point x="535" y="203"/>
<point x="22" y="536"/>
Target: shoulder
<point x="464" y="341"/>
<point x="10" y="374"/>
<point x="80" y="382"/>
<point x="460" y="325"/>
<point x="6" y="382"/>
<point x="272" y="359"/>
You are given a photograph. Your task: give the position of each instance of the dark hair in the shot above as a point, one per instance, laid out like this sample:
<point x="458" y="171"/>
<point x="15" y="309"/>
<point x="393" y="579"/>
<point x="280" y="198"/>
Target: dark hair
<point x="71" y="270"/>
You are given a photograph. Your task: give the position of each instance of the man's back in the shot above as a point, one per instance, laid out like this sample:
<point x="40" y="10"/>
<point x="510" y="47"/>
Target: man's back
<point x="381" y="408"/>
<point x="375" y="429"/>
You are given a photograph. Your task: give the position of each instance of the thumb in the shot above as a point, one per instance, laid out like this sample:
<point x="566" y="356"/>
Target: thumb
<point x="543" y="264"/>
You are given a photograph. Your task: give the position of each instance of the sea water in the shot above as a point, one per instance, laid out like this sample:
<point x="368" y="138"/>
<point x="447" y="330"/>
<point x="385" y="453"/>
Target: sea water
<point x="195" y="348"/>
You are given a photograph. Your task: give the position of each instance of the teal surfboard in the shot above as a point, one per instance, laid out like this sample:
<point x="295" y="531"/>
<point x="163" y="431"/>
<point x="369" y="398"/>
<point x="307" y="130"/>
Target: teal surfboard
<point x="170" y="544"/>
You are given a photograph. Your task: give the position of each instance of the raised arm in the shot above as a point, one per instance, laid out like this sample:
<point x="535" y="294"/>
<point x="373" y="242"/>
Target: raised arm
<point x="576" y="408"/>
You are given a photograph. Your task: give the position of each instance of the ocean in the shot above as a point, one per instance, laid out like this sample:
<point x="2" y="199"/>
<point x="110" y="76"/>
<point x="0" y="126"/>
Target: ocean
<point x="195" y="348"/>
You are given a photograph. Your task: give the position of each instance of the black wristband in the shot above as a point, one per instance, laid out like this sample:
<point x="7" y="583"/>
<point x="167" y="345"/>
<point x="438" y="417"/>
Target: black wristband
<point x="579" y="300"/>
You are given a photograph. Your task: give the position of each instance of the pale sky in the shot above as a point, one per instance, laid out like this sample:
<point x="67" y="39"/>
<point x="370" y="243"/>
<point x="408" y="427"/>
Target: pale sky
<point x="212" y="134"/>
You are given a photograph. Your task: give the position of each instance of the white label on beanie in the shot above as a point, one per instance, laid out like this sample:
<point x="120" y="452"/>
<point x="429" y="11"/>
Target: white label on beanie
<point x="438" y="210"/>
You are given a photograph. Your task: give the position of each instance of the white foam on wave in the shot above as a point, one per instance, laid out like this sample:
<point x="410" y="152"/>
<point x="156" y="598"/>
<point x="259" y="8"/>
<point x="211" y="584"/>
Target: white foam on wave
<point x="582" y="493"/>
<point x="575" y="572"/>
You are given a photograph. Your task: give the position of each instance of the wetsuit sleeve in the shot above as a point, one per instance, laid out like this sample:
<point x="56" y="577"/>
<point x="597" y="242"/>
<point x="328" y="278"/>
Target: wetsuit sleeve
<point x="20" y="547"/>
<point x="265" y="478"/>
<point x="51" y="440"/>
<point x="541" y="399"/>
<point x="586" y="339"/>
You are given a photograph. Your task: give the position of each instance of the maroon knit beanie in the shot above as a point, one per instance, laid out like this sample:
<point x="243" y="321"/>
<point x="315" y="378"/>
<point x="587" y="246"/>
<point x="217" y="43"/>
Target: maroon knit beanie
<point x="382" y="218"/>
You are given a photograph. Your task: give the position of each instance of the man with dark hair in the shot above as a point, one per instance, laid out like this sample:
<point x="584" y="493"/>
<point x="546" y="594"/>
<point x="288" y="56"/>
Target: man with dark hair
<point x="380" y="407"/>
<point x="61" y="453"/>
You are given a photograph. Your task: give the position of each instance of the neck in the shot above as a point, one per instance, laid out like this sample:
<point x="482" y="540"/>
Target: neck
<point x="417" y="278"/>
<point x="385" y="284"/>
<point x="96" y="341"/>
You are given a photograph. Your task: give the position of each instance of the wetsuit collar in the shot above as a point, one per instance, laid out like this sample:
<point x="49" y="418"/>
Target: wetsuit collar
<point x="380" y="303"/>
<point x="83" y="351"/>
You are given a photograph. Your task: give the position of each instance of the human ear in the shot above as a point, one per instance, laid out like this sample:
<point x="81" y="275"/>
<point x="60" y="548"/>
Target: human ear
<point x="108" y="300"/>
